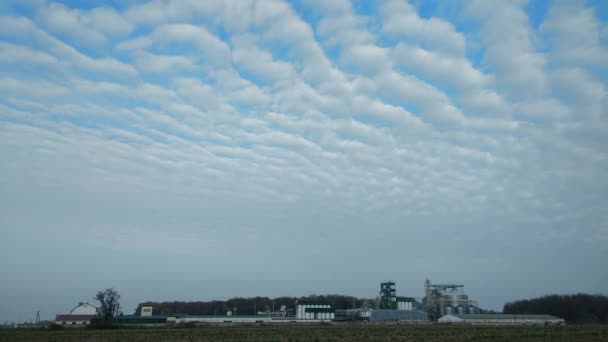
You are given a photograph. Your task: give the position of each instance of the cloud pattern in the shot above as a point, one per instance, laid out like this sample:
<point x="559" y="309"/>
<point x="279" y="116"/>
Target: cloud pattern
<point x="472" y="132"/>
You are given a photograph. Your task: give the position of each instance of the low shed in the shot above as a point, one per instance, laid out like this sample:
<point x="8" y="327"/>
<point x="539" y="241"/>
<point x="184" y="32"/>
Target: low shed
<point x="500" y="319"/>
<point x="411" y="316"/>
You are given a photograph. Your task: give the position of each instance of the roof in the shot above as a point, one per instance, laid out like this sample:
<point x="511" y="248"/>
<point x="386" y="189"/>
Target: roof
<point x="502" y="316"/>
<point x="407" y="299"/>
<point x="84" y="309"/>
<point x="320" y="310"/>
<point x="397" y="315"/>
<point x="72" y="318"/>
<point x="314" y="302"/>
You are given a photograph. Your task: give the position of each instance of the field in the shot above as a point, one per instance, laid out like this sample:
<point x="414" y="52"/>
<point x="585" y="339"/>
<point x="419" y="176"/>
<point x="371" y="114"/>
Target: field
<point x="336" y="332"/>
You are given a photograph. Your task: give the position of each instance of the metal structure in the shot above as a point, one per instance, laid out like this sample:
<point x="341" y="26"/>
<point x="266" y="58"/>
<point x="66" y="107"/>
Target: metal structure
<point x="388" y="296"/>
<point x="446" y="299"/>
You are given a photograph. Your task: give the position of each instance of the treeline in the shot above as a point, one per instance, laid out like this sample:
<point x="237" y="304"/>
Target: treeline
<point x="578" y="308"/>
<point x="248" y="306"/>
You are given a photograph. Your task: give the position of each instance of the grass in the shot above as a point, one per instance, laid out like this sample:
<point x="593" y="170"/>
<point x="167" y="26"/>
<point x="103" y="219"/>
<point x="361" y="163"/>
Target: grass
<point x="336" y="332"/>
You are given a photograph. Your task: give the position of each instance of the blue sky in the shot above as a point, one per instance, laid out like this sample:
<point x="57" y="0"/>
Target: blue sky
<point x="196" y="150"/>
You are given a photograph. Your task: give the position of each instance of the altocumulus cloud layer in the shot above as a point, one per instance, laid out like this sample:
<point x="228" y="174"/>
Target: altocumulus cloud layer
<point x="206" y="149"/>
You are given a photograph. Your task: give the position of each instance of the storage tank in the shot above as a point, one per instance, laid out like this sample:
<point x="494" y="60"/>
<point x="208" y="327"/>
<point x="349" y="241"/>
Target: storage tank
<point x="460" y="309"/>
<point x="472" y="310"/>
<point x="448" y="310"/>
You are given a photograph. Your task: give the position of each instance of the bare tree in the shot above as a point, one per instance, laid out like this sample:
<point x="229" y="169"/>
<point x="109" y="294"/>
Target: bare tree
<point x="109" y="307"/>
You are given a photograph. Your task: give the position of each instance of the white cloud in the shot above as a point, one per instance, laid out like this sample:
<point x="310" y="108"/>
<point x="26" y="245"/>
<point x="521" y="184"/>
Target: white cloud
<point x="369" y="59"/>
<point x="89" y="28"/>
<point x="37" y="90"/>
<point x="11" y="53"/>
<point x="252" y="123"/>
<point x="508" y="40"/>
<point x="575" y="34"/>
<point x="401" y="19"/>
<point x="61" y="20"/>
<point x="213" y="49"/>
<point x="148" y="62"/>
<point x="454" y="71"/>
<point x="260" y="63"/>
<point x="107" y="21"/>
<point x="134" y="44"/>
<point x="24" y="28"/>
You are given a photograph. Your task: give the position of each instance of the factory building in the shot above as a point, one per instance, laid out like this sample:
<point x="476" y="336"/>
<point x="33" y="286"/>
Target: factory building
<point x="80" y="315"/>
<point x="146" y="311"/>
<point x="499" y="319"/>
<point x="390" y="301"/>
<point x="315" y="309"/>
<point x="446" y="299"/>
<point x="393" y="308"/>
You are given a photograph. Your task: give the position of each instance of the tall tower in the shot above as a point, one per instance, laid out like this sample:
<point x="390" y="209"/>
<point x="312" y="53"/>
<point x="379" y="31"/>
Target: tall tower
<point x="388" y="296"/>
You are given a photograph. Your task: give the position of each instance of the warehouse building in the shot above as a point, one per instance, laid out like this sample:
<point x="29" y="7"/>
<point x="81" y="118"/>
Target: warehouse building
<point x="80" y="315"/>
<point x="404" y="316"/>
<point x="500" y="319"/>
<point x="315" y="310"/>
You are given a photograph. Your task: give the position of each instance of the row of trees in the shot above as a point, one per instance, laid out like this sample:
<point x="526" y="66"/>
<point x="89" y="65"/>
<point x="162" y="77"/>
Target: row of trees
<point x="578" y="308"/>
<point x="248" y="306"/>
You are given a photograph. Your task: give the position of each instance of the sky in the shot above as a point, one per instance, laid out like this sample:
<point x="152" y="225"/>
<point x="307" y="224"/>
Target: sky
<point x="198" y="150"/>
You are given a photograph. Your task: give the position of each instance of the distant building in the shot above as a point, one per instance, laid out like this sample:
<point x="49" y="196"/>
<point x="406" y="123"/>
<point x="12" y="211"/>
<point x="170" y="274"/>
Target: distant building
<point x="315" y="309"/>
<point x="388" y="296"/>
<point x="406" y="316"/>
<point x="80" y="315"/>
<point x="500" y="319"/>
<point x="447" y="299"/>
<point x="405" y="303"/>
<point x="390" y="301"/>
<point x="146" y="311"/>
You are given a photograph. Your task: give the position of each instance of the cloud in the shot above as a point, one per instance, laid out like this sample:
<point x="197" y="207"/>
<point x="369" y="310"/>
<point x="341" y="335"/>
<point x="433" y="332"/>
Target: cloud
<point x="89" y="28"/>
<point x="509" y="47"/>
<point x="575" y="35"/>
<point x="214" y="50"/>
<point x="23" y="28"/>
<point x="241" y="127"/>
<point x="401" y="19"/>
<point x="148" y="62"/>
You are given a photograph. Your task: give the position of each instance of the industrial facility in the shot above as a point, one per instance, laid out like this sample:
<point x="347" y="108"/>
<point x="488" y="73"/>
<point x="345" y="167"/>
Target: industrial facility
<point x="389" y="299"/>
<point x="446" y="299"/>
<point x="389" y="308"/>
<point x="442" y="303"/>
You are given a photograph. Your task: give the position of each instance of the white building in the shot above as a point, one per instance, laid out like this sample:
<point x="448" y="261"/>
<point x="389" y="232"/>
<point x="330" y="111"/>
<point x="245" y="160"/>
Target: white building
<point x="404" y="303"/>
<point x="500" y="319"/>
<point x="315" y="310"/>
<point x="146" y="311"/>
<point x="80" y="315"/>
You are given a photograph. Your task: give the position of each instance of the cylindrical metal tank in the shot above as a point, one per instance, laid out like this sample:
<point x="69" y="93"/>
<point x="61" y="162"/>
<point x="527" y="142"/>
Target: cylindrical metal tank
<point x="448" y="310"/>
<point x="472" y="310"/>
<point x="460" y="309"/>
